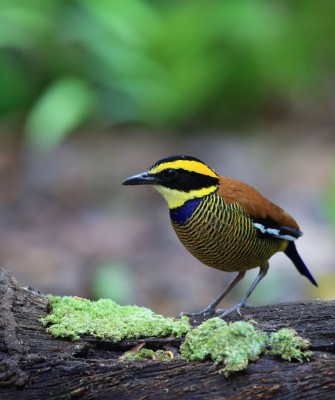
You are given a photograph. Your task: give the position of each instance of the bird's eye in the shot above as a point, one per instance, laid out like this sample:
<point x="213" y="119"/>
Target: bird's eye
<point x="170" y="173"/>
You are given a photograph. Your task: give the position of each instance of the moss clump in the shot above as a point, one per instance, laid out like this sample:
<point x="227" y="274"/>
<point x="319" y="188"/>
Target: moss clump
<point x="288" y="345"/>
<point x="148" y="354"/>
<point x="235" y="344"/>
<point x="231" y="344"/>
<point x="72" y="317"/>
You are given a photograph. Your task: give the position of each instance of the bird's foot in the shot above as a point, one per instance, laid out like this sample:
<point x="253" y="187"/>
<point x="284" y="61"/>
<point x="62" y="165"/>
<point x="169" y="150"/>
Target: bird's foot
<point x="221" y="313"/>
<point x="207" y="312"/>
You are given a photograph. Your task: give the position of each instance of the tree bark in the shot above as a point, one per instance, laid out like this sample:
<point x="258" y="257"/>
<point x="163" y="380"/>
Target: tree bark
<point x="35" y="365"/>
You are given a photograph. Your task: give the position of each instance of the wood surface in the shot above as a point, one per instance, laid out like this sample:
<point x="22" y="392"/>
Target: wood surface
<point x="35" y="365"/>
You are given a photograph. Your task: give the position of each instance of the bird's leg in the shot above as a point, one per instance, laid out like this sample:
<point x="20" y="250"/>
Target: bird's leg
<point x="237" y="307"/>
<point x="210" y="309"/>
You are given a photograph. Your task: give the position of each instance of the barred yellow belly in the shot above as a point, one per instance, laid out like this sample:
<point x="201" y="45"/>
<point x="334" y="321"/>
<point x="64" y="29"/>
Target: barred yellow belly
<point x="223" y="236"/>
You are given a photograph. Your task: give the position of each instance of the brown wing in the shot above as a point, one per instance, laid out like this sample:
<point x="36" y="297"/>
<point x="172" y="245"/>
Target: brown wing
<point x="256" y="205"/>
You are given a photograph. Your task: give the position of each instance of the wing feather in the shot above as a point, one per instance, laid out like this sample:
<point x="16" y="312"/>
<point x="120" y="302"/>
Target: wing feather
<point x="268" y="218"/>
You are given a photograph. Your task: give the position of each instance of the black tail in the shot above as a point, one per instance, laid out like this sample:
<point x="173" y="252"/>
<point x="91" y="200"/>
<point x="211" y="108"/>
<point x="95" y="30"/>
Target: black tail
<point x="293" y="255"/>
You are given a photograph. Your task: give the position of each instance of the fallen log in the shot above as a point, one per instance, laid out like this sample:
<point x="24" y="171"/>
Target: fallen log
<point x="35" y="365"/>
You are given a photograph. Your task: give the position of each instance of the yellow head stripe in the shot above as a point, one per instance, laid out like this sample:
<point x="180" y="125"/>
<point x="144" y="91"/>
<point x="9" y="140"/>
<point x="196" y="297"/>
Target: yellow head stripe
<point x="188" y="165"/>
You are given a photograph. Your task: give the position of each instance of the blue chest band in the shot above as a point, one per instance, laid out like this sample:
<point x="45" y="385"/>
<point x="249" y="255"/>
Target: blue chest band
<point x="181" y="214"/>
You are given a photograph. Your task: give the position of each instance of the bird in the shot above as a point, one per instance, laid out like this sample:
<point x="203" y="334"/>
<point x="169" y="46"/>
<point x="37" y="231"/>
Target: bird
<point x="223" y="222"/>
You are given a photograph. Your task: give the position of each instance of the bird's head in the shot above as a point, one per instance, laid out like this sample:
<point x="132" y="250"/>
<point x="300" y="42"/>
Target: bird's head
<point x="178" y="179"/>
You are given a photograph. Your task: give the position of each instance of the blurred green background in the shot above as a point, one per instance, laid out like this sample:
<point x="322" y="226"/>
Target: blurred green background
<point x="94" y="91"/>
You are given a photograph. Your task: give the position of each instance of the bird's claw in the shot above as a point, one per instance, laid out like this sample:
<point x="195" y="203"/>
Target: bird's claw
<point x="230" y="311"/>
<point x="237" y="308"/>
<point x="207" y="312"/>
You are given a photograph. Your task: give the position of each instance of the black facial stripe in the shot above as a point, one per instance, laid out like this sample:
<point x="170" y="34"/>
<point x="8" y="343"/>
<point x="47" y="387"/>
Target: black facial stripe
<point x="186" y="180"/>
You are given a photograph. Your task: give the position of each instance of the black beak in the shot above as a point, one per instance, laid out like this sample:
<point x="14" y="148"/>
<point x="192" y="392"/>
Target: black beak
<point x="141" y="179"/>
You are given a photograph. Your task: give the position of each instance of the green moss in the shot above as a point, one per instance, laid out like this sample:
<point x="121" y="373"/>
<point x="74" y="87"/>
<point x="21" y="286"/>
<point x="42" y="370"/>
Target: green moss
<point x="233" y="344"/>
<point x="143" y="354"/>
<point x="288" y="345"/>
<point x="147" y="354"/>
<point x="72" y="317"/>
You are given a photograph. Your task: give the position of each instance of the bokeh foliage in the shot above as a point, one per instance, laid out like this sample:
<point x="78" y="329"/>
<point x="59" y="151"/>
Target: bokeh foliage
<point x="64" y="62"/>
